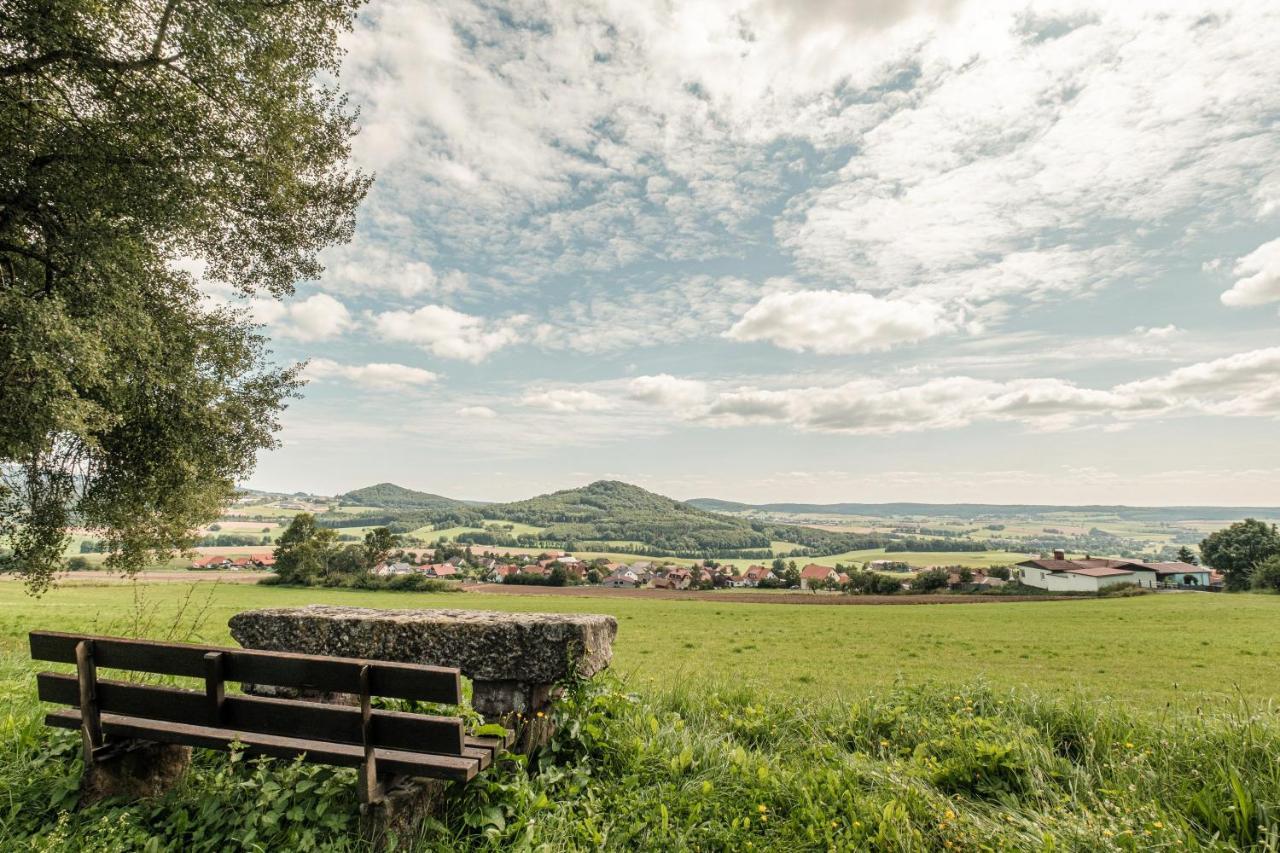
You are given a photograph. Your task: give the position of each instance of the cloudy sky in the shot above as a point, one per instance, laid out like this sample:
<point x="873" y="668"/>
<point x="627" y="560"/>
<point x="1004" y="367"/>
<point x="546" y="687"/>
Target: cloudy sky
<point x="803" y="250"/>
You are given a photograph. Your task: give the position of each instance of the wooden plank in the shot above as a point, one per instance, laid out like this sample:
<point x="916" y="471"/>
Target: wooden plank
<point x="87" y="695"/>
<point x="278" y="669"/>
<point x="310" y="720"/>
<point x="453" y="767"/>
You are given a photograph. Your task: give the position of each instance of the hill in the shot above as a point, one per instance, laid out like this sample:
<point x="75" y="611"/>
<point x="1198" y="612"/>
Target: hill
<point x="609" y="510"/>
<point x="975" y="511"/>
<point x="391" y="496"/>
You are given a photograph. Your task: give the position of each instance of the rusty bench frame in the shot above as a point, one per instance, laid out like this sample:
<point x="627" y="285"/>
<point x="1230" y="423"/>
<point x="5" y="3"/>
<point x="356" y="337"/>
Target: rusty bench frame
<point x="114" y="716"/>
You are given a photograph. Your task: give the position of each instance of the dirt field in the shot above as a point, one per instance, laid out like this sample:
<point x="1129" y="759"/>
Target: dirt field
<point x="728" y="597"/>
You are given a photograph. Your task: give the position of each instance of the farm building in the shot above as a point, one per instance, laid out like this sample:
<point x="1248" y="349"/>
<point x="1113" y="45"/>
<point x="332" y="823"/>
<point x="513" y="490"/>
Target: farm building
<point x="816" y="575"/>
<point x="1088" y="575"/>
<point x="755" y="574"/>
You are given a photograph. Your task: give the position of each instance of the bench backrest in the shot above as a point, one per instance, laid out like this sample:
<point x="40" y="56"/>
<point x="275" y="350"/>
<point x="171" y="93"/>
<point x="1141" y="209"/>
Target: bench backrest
<point x="255" y="714"/>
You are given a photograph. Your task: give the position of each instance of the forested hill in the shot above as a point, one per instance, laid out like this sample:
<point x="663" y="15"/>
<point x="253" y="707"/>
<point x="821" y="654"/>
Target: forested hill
<point x="614" y="511"/>
<point x="391" y="496"/>
<point x="898" y="510"/>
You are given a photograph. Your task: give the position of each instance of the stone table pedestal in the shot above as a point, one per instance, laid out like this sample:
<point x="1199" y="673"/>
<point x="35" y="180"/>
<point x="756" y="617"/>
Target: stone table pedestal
<point x="514" y="660"/>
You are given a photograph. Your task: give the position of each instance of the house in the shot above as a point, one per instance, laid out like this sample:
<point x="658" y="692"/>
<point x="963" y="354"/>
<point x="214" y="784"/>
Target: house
<point x="215" y="562"/>
<point x="1088" y="575"/>
<point x="501" y="573"/>
<point x="393" y="569"/>
<point x="674" y="579"/>
<point x="755" y="574"/>
<point x="815" y="575"/>
<point x="1182" y="575"/>
<point x="438" y="570"/>
<point x="621" y="579"/>
<point x="263" y="560"/>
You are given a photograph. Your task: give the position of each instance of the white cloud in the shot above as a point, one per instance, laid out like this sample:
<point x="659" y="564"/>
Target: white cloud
<point x="1245" y="385"/>
<point x="568" y="400"/>
<point x="832" y="321"/>
<point x="482" y="412"/>
<point x="363" y="268"/>
<point x="385" y="377"/>
<point x="1259" y="277"/>
<point x="318" y="317"/>
<point x="448" y="333"/>
<point x="668" y="391"/>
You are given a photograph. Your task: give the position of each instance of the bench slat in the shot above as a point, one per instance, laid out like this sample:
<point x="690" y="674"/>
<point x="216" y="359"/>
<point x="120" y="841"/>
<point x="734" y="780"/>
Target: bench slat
<point x="392" y="761"/>
<point x="279" y="669"/>
<point x="309" y="720"/>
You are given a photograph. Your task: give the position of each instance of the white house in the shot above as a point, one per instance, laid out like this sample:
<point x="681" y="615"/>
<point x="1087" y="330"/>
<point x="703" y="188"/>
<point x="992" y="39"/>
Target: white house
<point x="1088" y="575"/>
<point x="1181" y="575"/>
<point x="621" y="579"/>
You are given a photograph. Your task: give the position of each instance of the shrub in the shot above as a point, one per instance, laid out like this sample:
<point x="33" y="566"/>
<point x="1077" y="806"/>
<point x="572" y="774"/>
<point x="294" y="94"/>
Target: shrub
<point x="930" y="581"/>
<point x="1266" y="575"/>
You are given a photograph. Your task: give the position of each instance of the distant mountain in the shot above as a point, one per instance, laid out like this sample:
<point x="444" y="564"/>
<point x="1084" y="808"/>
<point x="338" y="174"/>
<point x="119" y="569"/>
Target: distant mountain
<point x="972" y="511"/>
<point x="391" y="496"/>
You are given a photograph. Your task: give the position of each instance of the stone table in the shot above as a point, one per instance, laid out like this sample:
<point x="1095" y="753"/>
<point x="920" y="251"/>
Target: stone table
<point x="514" y="660"/>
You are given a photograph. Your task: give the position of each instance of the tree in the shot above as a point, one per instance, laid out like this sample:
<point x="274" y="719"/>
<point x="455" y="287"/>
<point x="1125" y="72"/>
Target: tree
<point x="1186" y="555"/>
<point x="930" y="581"/>
<point x="378" y="545"/>
<point x="139" y="142"/>
<point x="305" y="550"/>
<point x="1237" y="549"/>
<point x="1001" y="572"/>
<point x="1266" y="575"/>
<point x="966" y="574"/>
<point x="791" y="575"/>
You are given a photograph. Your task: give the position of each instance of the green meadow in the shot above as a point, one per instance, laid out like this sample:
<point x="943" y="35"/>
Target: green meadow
<point x="1145" y="651"/>
<point x="1145" y="723"/>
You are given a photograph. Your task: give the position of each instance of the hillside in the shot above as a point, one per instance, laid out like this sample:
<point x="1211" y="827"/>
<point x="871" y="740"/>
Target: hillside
<point x="609" y="510"/>
<point x="391" y="496"/>
<point x="974" y="511"/>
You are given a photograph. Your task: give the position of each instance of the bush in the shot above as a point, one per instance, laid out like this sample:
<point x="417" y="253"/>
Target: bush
<point x="1267" y="575"/>
<point x="930" y="581"/>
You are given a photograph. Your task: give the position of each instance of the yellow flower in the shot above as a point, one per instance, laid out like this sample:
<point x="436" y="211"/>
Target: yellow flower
<point x="834" y="824"/>
<point x="1158" y="825"/>
<point x="1128" y="745"/>
<point x="762" y="808"/>
<point x="541" y="715"/>
<point x="950" y="814"/>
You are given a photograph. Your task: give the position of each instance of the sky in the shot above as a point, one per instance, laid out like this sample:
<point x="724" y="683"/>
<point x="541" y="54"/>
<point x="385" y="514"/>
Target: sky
<point x="802" y="250"/>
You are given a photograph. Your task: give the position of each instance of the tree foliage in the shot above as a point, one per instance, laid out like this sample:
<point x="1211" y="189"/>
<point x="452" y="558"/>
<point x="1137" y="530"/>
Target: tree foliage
<point x="1266" y="575"/>
<point x="1236" y="550"/>
<point x="134" y="135"/>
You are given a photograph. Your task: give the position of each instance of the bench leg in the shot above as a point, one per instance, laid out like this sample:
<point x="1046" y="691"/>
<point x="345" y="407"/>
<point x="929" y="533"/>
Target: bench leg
<point x="406" y="803"/>
<point x="133" y="770"/>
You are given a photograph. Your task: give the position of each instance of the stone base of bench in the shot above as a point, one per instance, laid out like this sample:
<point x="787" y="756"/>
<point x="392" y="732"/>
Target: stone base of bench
<point x="134" y="770"/>
<point x="395" y="821"/>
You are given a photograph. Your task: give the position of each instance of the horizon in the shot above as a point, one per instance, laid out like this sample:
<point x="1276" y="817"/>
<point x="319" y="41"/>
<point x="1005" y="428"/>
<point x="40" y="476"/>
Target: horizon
<point x="469" y="499"/>
<point x="939" y="252"/>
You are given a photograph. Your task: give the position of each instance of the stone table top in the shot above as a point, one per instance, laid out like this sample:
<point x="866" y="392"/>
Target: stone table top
<point x="486" y="645"/>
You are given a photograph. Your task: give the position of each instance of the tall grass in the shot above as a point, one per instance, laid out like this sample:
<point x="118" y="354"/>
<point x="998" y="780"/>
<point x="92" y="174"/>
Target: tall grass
<point x="701" y="767"/>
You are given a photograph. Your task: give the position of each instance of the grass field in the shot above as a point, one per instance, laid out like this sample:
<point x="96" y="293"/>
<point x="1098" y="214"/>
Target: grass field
<point x="1145" y="651"/>
<point x="1144" y="723"/>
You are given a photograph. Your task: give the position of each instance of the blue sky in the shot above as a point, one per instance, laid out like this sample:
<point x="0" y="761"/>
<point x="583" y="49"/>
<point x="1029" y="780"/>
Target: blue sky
<point x="793" y="250"/>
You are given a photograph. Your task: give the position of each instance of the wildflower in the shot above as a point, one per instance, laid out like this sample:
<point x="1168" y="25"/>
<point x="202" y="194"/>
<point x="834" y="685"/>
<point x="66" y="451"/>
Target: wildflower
<point x="1158" y="825"/>
<point x="541" y="715"/>
<point x="762" y="808"/>
<point x="950" y="814"/>
<point x="834" y="824"/>
<point x="1128" y="745"/>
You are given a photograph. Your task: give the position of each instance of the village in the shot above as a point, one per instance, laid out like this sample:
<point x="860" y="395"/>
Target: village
<point x="1053" y="573"/>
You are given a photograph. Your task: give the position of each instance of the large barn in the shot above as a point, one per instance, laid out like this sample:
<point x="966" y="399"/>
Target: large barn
<point x="1093" y="574"/>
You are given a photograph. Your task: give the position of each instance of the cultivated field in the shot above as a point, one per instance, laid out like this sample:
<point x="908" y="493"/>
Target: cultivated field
<point x="1145" y="651"/>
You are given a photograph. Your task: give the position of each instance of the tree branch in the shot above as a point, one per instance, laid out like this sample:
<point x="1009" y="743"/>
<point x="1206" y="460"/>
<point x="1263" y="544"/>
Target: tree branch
<point x="88" y="60"/>
<point x="164" y="28"/>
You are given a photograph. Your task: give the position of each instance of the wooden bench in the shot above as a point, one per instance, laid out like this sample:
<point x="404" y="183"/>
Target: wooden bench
<point x="111" y="715"/>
